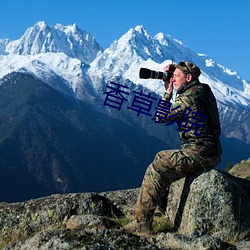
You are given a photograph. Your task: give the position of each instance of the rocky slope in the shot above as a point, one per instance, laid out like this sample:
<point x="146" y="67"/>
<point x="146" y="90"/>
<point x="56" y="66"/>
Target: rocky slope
<point x="50" y="143"/>
<point x="207" y="211"/>
<point x="241" y="169"/>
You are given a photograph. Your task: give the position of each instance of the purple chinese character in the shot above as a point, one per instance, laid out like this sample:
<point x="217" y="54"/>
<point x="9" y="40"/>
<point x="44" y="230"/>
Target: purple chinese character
<point x="164" y="111"/>
<point x="115" y="97"/>
<point x="195" y="119"/>
<point x="142" y="103"/>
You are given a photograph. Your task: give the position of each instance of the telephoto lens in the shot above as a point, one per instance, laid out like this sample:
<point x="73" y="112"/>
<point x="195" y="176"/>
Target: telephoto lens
<point x="144" y="73"/>
<point x="147" y="73"/>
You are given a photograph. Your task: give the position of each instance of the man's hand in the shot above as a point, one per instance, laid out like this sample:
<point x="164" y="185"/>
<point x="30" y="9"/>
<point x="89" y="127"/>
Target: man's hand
<point x="168" y="85"/>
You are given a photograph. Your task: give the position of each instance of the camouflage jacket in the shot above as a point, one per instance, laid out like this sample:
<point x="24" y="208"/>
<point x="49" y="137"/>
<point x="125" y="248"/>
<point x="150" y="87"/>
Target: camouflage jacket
<point x="196" y="113"/>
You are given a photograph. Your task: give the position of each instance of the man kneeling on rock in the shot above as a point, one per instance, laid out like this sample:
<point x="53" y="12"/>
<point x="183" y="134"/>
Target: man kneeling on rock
<point x="196" y="113"/>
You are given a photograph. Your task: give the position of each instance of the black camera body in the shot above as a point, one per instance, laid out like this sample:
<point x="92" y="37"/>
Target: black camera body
<point x="145" y="73"/>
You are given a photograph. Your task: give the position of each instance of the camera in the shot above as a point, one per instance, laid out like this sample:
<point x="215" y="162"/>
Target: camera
<point x="145" y="73"/>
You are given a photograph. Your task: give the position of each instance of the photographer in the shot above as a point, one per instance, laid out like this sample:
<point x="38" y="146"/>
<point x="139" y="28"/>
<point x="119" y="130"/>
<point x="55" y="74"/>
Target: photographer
<point x="201" y="146"/>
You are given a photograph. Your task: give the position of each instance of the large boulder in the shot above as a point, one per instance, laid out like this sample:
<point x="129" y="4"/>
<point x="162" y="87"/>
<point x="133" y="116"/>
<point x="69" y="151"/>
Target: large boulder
<point x="209" y="210"/>
<point x="19" y="221"/>
<point x="210" y="202"/>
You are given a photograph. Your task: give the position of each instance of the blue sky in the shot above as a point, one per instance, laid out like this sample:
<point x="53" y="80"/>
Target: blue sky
<point x="218" y="28"/>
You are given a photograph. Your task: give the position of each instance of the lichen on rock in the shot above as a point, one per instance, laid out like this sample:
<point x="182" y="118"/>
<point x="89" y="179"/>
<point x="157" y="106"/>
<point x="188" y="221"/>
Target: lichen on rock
<point x="209" y="210"/>
<point x="211" y="202"/>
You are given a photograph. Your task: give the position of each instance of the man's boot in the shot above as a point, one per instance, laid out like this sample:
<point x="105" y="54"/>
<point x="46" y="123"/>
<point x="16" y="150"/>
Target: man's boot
<point x="137" y="226"/>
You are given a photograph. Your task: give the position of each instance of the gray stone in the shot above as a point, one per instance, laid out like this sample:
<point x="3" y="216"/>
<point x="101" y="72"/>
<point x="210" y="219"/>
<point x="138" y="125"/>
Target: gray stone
<point x="63" y="239"/>
<point x="20" y="220"/>
<point x="90" y="221"/>
<point x="210" y="210"/>
<point x="243" y="245"/>
<point x="212" y="202"/>
<point x="178" y="241"/>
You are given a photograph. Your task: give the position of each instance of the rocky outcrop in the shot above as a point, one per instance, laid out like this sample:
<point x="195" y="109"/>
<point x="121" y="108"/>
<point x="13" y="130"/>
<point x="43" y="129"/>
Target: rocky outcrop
<point x="209" y="210"/>
<point x="210" y="202"/>
<point x="241" y="169"/>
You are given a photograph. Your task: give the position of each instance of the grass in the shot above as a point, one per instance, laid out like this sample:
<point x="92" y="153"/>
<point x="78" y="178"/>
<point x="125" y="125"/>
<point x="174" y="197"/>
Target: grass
<point x="160" y="223"/>
<point x="239" y="237"/>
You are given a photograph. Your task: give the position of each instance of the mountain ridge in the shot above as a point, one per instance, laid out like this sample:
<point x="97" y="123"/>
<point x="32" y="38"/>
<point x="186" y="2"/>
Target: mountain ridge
<point x="42" y="38"/>
<point x="63" y="141"/>
<point x="121" y="62"/>
<point x="124" y="57"/>
<point x="55" y="144"/>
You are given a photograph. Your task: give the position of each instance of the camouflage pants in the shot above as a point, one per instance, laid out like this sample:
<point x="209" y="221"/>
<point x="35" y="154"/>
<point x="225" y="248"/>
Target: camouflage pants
<point x="167" y="167"/>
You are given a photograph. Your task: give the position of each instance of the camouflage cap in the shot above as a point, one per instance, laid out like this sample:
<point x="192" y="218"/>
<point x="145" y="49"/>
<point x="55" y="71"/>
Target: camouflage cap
<point x="189" y="68"/>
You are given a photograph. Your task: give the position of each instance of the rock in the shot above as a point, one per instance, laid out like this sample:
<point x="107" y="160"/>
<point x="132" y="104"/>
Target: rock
<point x="212" y="202"/>
<point x="90" y="221"/>
<point x="20" y="220"/>
<point x="243" y="245"/>
<point x="209" y="210"/>
<point x="241" y="169"/>
<point x="178" y="241"/>
<point x="124" y="199"/>
<point x="63" y="239"/>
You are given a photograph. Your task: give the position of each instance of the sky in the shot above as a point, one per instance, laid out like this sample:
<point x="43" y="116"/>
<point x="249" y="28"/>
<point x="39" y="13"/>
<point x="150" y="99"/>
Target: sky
<point x="217" y="28"/>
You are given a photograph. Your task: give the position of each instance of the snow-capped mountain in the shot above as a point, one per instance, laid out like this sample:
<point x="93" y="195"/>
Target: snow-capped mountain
<point x="71" y="61"/>
<point x="50" y="137"/>
<point x="75" y="56"/>
<point x="64" y="73"/>
<point x="41" y="38"/>
<point x="50" y="54"/>
<point x="3" y="43"/>
<point x="137" y="49"/>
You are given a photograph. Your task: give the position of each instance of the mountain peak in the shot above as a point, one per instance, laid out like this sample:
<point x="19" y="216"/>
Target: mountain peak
<point x="41" y="24"/>
<point x="140" y="29"/>
<point x="166" y="39"/>
<point x="69" y="28"/>
<point x="42" y="38"/>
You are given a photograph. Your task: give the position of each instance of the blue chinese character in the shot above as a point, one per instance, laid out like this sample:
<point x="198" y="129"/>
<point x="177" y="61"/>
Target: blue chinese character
<point x="185" y="115"/>
<point x="196" y="117"/>
<point x="163" y="111"/>
<point x="115" y="97"/>
<point x="141" y="103"/>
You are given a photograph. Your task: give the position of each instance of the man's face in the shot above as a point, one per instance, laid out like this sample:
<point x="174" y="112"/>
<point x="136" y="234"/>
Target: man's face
<point x="179" y="78"/>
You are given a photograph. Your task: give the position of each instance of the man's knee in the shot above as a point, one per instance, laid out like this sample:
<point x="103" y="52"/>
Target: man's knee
<point x="164" y="154"/>
<point x="162" y="161"/>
